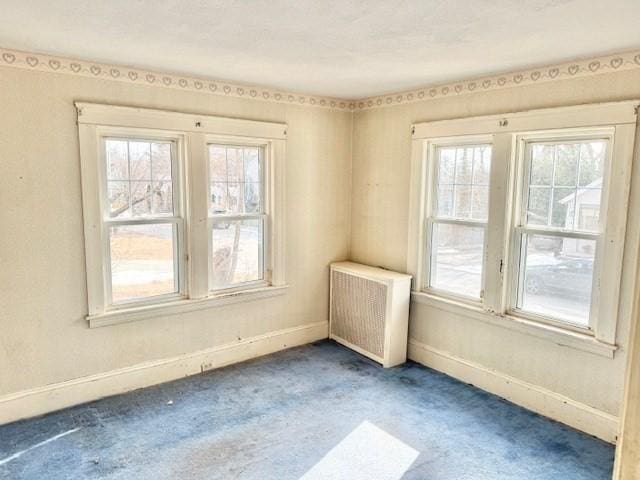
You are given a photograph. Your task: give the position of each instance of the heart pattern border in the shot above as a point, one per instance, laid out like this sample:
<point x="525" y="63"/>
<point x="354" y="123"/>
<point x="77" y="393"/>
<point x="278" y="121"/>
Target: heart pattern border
<point x="583" y="68"/>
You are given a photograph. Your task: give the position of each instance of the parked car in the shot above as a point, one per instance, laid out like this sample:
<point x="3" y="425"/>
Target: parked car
<point x="572" y="276"/>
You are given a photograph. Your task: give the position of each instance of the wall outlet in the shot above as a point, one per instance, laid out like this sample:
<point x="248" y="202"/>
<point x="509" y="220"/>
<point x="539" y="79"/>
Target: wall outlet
<point x="206" y="366"/>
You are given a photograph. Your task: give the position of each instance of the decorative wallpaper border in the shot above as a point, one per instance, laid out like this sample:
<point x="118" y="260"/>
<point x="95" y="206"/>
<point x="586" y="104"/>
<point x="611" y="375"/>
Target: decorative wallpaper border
<point x="580" y="68"/>
<point x="576" y="69"/>
<point x="47" y="63"/>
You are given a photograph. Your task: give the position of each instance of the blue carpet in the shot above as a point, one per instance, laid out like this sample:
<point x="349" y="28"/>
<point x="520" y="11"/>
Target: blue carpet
<point x="277" y="416"/>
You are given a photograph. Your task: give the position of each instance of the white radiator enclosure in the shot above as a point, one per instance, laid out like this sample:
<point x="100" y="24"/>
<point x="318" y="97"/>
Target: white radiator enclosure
<point x="370" y="311"/>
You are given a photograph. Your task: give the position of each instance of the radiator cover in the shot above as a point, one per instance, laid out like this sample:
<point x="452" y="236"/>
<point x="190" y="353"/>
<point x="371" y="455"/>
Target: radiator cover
<point x="369" y="311"/>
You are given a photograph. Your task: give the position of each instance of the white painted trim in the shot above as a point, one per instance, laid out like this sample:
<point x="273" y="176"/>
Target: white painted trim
<point x="532" y="397"/>
<point x="576" y="116"/>
<point x="615" y="121"/>
<point x="133" y="117"/>
<point x="559" y="335"/>
<point x="114" y="317"/>
<point x="37" y="401"/>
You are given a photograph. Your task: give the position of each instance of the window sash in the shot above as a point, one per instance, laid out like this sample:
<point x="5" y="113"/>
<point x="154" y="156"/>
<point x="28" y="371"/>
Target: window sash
<point x="261" y="257"/>
<point x="178" y="266"/>
<point x="176" y="220"/>
<point x="262" y="215"/>
<point x="428" y="258"/>
<point x="431" y="157"/>
<point x="521" y="228"/>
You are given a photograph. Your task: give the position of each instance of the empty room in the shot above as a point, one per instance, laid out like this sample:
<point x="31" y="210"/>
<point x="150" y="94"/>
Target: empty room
<point x="320" y="240"/>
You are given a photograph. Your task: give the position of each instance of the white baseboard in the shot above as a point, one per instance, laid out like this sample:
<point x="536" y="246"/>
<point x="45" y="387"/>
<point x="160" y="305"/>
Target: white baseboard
<point x="532" y="397"/>
<point x="37" y="401"/>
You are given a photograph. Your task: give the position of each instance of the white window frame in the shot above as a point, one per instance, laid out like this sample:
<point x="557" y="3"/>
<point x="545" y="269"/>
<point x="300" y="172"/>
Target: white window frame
<point x="191" y="134"/>
<point x="521" y="180"/>
<point x="176" y="219"/>
<point x="432" y="218"/>
<point x="264" y="216"/>
<point x="509" y="134"/>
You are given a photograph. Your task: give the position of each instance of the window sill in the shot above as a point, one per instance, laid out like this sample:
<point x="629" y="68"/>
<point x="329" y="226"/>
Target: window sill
<point x="559" y="336"/>
<point x="171" y="308"/>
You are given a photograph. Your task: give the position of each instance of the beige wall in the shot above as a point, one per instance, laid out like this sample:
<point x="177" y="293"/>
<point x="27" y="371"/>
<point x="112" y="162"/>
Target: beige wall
<point x="380" y="204"/>
<point x="44" y="337"/>
<point x="628" y="453"/>
<point x="336" y="204"/>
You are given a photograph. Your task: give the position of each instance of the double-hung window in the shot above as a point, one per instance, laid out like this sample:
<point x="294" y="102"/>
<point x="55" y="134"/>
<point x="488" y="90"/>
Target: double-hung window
<point x="181" y="211"/>
<point x="143" y="222"/>
<point x="522" y="219"/>
<point x="557" y="231"/>
<point x="458" y="218"/>
<point x="236" y="214"/>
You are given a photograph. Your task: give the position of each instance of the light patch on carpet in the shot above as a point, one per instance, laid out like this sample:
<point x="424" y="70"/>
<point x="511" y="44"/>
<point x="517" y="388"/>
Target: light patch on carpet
<point x="37" y="445"/>
<point x="367" y="453"/>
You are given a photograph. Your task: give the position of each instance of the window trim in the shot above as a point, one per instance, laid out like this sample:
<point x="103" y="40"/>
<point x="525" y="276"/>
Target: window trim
<point x="521" y="184"/>
<point x="264" y="215"/>
<point x="619" y="239"/>
<point x="190" y="132"/>
<point x="431" y="217"/>
<point x="177" y="219"/>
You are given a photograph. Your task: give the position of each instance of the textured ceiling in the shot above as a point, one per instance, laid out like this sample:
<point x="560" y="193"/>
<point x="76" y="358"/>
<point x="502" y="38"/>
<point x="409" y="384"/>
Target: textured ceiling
<point x="348" y="49"/>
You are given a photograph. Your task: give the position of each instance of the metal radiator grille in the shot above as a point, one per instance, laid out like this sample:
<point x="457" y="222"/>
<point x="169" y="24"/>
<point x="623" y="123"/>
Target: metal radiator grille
<point x="358" y="308"/>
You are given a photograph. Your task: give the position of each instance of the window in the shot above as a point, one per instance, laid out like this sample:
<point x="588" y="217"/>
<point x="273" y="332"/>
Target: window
<point x="142" y="219"/>
<point x="181" y="211"/>
<point x="522" y="218"/>
<point x="458" y="219"/>
<point x="558" y="232"/>
<point x="237" y="215"/>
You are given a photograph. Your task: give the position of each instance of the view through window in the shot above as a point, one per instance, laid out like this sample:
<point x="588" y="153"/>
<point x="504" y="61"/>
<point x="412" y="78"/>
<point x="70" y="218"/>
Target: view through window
<point x="459" y="219"/>
<point x="559" y="229"/>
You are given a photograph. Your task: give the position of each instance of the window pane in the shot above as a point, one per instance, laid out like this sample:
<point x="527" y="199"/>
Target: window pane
<point x="237" y="252"/>
<point x="252" y="165"/>
<point x="481" y="165"/>
<point x="141" y="195"/>
<point x="139" y="182"/>
<point x="162" y="198"/>
<point x="462" y="202"/>
<point x="235" y="197"/>
<point x="219" y="198"/>
<point x="142" y="261"/>
<point x="563" y="208"/>
<point x="464" y="166"/>
<point x="541" y="165"/>
<point x="161" y="161"/>
<point x="538" y="206"/>
<point x="566" y="174"/>
<point x="480" y="203"/>
<point x="463" y="177"/>
<point x="117" y="160"/>
<point x="217" y="163"/>
<point x="592" y="163"/>
<point x="118" y="193"/>
<point x="252" y="198"/>
<point x="456" y="259"/>
<point x="445" y="201"/>
<point x="446" y="166"/>
<point x="235" y="165"/>
<point x="573" y="173"/>
<point x="140" y="160"/>
<point x="557" y="277"/>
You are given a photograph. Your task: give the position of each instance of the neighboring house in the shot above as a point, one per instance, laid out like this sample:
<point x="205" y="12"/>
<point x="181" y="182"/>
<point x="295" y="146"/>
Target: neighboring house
<point x="583" y="211"/>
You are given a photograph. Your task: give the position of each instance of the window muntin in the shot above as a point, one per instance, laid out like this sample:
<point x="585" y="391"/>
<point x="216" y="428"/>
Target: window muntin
<point x="458" y="219"/>
<point x="237" y="215"/>
<point x="557" y="234"/>
<point x="142" y="220"/>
